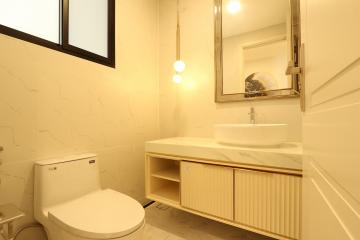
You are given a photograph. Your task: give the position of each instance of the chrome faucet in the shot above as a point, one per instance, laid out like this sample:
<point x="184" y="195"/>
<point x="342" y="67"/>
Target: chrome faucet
<point x="252" y="115"/>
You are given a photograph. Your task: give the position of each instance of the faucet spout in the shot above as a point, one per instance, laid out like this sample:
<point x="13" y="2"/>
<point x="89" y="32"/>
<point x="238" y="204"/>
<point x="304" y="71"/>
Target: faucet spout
<point x="252" y="115"/>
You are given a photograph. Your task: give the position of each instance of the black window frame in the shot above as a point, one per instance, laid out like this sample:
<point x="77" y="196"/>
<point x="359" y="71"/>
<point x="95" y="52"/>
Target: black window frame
<point x="65" y="47"/>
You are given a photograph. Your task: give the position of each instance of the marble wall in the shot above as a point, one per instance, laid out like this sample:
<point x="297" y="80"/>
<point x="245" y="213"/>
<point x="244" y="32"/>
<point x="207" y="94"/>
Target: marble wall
<point x="189" y="109"/>
<point x="53" y="104"/>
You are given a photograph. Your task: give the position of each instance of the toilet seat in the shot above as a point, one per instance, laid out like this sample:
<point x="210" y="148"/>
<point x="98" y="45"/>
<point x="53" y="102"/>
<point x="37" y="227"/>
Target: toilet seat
<point x="104" y="214"/>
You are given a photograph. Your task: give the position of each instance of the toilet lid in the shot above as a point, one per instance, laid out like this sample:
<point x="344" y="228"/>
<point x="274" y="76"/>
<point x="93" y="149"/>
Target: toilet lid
<point x="99" y="215"/>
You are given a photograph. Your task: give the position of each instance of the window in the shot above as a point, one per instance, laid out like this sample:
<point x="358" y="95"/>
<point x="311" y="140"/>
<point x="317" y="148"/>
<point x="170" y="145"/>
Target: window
<point x="83" y="28"/>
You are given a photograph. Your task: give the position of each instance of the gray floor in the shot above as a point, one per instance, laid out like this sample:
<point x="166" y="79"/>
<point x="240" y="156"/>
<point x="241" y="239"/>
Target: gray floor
<point x="165" y="223"/>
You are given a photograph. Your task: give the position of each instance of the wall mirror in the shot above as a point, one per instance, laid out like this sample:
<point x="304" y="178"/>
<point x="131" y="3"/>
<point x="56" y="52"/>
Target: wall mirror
<point x="83" y="28"/>
<point x="256" y="47"/>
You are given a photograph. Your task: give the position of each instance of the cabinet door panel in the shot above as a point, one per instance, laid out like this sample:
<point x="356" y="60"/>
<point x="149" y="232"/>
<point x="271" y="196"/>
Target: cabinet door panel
<point x="268" y="201"/>
<point x="207" y="189"/>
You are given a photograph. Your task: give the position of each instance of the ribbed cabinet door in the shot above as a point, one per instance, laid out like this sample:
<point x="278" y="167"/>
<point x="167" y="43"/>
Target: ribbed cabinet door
<point x="208" y="189"/>
<point x="268" y="201"/>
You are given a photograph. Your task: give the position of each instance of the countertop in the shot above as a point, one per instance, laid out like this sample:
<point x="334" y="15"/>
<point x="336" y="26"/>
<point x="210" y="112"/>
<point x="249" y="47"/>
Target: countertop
<point x="286" y="156"/>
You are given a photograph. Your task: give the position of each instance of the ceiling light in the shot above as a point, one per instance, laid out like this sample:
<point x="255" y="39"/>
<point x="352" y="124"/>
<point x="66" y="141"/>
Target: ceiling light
<point x="233" y="6"/>
<point x="179" y="65"/>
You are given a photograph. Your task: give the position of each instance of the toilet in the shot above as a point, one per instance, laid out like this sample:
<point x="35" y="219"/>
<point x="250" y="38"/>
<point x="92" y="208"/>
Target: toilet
<point x="70" y="204"/>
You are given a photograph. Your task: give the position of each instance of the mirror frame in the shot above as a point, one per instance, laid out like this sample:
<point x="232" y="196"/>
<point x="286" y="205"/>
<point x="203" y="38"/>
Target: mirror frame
<point x="291" y="92"/>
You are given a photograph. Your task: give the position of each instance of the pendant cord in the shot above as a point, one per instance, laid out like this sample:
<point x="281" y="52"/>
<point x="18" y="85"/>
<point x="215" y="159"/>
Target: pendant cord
<point x="178" y="32"/>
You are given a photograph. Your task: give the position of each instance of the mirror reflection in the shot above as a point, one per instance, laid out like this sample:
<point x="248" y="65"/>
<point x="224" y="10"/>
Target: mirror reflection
<point x="256" y="46"/>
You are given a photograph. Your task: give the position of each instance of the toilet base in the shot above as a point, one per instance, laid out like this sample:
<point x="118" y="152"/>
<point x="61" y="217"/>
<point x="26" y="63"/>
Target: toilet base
<point x="55" y="233"/>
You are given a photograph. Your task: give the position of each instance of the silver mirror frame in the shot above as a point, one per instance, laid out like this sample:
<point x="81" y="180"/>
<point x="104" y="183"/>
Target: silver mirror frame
<point x="292" y="92"/>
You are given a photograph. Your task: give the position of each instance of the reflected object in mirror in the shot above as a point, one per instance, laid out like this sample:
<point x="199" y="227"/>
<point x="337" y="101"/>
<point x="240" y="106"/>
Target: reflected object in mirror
<point x="253" y="47"/>
<point x="254" y="85"/>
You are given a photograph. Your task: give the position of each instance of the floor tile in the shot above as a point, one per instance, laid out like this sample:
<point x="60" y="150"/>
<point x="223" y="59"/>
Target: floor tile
<point x="166" y="223"/>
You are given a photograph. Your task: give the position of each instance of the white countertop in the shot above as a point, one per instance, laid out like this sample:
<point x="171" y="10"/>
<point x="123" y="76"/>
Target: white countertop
<point x="287" y="156"/>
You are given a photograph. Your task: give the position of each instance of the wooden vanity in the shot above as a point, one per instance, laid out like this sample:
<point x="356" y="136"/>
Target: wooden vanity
<point x="262" y="199"/>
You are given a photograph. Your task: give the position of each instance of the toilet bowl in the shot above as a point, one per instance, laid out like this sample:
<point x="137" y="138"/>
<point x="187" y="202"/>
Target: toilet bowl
<point x="70" y="204"/>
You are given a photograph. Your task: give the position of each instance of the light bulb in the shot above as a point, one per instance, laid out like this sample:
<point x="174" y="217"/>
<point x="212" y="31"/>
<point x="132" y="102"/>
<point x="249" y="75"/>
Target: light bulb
<point x="177" y="78"/>
<point x="233" y="6"/>
<point x="179" y="66"/>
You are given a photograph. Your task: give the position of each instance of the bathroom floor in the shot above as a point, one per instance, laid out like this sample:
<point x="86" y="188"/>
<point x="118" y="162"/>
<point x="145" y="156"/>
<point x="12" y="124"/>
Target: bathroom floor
<point x="166" y="223"/>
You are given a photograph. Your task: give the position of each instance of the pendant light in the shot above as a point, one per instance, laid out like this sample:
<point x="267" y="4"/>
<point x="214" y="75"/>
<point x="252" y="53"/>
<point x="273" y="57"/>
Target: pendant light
<point x="179" y="65"/>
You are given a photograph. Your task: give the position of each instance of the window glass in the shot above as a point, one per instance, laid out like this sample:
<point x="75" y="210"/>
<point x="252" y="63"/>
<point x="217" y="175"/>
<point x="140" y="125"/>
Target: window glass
<point x="88" y="25"/>
<point x="40" y="18"/>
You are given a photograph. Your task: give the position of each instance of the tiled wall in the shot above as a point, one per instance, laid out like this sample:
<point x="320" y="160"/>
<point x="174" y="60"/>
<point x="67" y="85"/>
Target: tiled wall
<point x="189" y="109"/>
<point x="52" y="104"/>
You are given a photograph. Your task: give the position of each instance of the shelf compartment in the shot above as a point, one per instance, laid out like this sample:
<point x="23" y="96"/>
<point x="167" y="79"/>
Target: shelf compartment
<point x="159" y="164"/>
<point x="171" y="174"/>
<point x="169" y="192"/>
<point x="165" y="191"/>
<point x="163" y="180"/>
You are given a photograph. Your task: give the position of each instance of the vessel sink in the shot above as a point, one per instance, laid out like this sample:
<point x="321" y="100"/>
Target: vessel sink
<point x="251" y="134"/>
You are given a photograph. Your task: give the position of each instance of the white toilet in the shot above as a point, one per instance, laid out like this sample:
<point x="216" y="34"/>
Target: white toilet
<point x="70" y="204"/>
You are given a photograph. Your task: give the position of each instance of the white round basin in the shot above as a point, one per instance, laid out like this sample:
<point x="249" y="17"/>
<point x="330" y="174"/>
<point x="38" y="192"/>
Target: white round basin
<point x="251" y="134"/>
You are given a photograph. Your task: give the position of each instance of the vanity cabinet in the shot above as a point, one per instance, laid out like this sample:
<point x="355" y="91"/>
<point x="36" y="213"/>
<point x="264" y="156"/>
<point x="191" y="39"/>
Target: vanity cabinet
<point x="259" y="199"/>
<point x="268" y="201"/>
<point x="208" y="189"/>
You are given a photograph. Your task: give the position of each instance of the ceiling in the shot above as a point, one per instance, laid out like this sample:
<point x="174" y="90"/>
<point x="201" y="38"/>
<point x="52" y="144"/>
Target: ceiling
<point x="254" y="15"/>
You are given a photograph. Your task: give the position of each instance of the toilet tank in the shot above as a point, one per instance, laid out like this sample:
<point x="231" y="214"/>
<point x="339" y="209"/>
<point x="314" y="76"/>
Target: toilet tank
<point x="59" y="180"/>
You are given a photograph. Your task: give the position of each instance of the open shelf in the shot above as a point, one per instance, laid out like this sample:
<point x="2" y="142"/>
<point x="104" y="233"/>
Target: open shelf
<point x="163" y="180"/>
<point x="171" y="174"/>
<point x="169" y="191"/>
